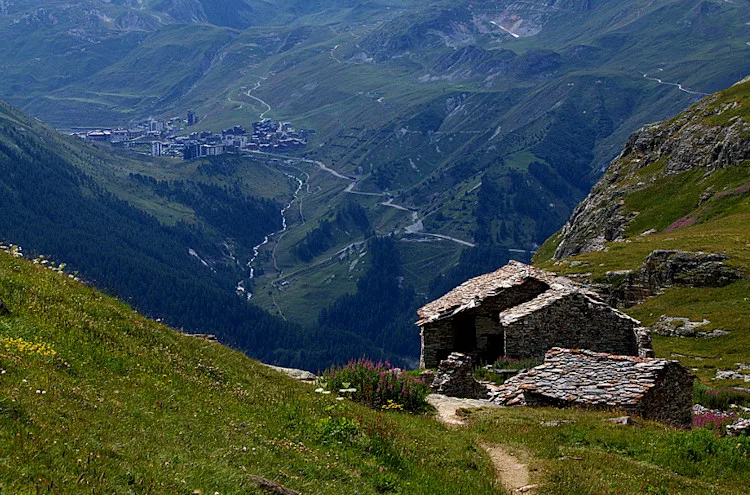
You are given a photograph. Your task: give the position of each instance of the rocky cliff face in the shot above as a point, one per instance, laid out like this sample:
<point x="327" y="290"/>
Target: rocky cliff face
<point x="714" y="134"/>
<point x="665" y="268"/>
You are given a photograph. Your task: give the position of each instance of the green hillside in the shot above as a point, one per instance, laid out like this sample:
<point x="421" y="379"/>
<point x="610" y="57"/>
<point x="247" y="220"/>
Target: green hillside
<point x="95" y="398"/>
<point x="680" y="192"/>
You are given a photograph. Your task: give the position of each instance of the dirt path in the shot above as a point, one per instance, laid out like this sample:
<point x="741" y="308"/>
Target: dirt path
<point x="510" y="471"/>
<point x="448" y="406"/>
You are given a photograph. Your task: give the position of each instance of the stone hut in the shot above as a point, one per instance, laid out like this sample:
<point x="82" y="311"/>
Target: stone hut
<point x="520" y="311"/>
<point x="654" y="389"/>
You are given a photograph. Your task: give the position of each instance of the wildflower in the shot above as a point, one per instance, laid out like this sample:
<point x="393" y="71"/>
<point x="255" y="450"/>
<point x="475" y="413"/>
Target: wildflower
<point x="339" y="398"/>
<point x="319" y="390"/>
<point x="326" y="392"/>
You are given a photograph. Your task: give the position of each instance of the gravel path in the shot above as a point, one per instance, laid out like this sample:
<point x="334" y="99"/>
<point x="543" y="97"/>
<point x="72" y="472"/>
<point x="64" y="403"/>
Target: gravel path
<point x="511" y="471"/>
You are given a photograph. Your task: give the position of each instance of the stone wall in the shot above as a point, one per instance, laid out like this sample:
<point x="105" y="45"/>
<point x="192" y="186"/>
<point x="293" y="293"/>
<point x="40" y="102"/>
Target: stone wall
<point x="574" y="321"/>
<point x="528" y="330"/>
<point x="437" y="342"/>
<point x="671" y="400"/>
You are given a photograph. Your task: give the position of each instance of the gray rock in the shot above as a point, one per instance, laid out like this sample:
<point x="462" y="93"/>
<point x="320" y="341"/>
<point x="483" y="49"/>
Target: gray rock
<point x="671" y="326"/>
<point x="739" y="427"/>
<point x="665" y="268"/>
<point x="556" y="422"/>
<point x="731" y="375"/>
<point x="622" y="420"/>
<point x="302" y="375"/>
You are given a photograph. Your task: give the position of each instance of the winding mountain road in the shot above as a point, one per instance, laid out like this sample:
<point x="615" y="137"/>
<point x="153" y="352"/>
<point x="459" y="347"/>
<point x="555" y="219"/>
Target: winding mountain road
<point x="262" y="102"/>
<point x="677" y="85"/>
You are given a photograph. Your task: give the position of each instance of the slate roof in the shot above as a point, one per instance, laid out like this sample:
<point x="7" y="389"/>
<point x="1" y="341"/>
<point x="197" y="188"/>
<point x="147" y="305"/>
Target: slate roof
<point x="582" y="377"/>
<point x="471" y="293"/>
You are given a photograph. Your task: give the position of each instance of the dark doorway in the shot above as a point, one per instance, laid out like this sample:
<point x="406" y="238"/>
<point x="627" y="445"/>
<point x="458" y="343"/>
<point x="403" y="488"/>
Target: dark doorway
<point x="464" y="333"/>
<point x="495" y="348"/>
<point x="440" y="355"/>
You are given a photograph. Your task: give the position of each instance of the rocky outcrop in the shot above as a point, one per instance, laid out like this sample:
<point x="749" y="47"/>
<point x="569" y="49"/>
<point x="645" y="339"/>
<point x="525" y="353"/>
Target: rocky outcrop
<point x="662" y="269"/>
<point x="687" y="142"/>
<point x="455" y="378"/>
<point x="651" y="388"/>
<point x="675" y="326"/>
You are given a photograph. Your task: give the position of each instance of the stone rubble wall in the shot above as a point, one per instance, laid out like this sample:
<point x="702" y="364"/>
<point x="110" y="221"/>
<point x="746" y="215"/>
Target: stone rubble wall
<point x="455" y="378"/>
<point x="554" y="319"/>
<point x="437" y="341"/>
<point x="671" y="399"/>
<point x="525" y="319"/>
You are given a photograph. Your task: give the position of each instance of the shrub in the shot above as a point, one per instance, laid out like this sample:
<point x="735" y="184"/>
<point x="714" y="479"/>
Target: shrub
<point x="340" y="429"/>
<point x="718" y="399"/>
<point x="379" y="386"/>
<point x="713" y="420"/>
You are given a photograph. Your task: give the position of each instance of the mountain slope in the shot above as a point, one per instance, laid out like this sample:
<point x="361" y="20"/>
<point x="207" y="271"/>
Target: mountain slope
<point x="168" y="245"/>
<point x="96" y="398"/>
<point x="462" y="123"/>
<point x="683" y="184"/>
